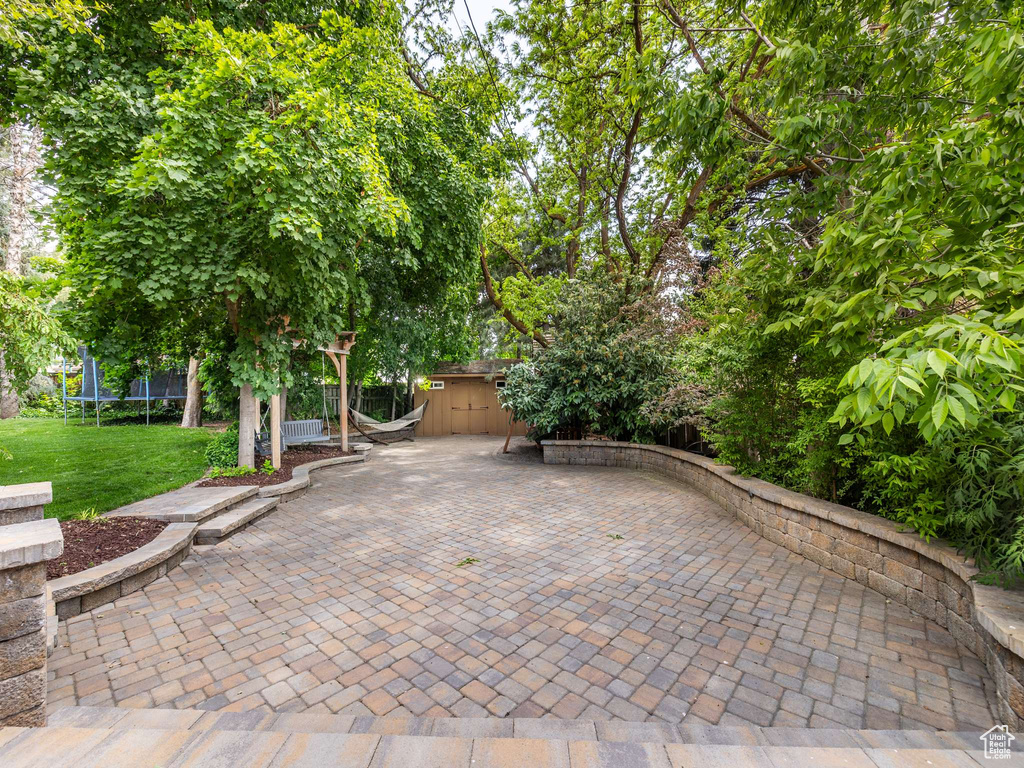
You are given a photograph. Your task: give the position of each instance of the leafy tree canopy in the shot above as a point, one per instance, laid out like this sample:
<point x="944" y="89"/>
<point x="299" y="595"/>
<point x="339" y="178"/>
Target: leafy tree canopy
<point x="17" y="17"/>
<point x="274" y="181"/>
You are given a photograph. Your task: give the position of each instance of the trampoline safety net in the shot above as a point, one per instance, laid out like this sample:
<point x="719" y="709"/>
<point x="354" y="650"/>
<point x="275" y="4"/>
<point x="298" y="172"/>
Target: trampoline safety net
<point x="169" y="384"/>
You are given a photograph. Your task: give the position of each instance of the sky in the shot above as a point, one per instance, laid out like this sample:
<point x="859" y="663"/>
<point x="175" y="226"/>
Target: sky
<point x="482" y="11"/>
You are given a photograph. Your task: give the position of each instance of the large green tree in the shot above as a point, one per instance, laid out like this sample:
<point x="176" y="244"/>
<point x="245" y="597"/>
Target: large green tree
<point x="274" y="180"/>
<point x="19" y="17"/>
<point x="650" y="133"/>
<point x="869" y="150"/>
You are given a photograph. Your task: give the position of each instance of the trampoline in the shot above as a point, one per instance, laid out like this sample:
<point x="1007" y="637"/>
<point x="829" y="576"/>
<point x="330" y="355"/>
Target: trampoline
<point x="170" y="384"/>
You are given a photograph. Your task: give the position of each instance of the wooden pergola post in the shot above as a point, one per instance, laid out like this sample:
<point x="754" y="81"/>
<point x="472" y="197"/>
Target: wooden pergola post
<point x="340" y="360"/>
<point x="248" y="425"/>
<point x="342" y="366"/>
<point x="275" y="431"/>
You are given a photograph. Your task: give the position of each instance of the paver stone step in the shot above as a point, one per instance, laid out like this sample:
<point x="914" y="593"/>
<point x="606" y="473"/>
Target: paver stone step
<point x="56" y="746"/>
<point x="234" y="519"/>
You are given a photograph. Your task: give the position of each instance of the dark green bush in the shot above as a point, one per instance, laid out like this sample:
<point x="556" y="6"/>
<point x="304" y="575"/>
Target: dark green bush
<point x="222" y="451"/>
<point x="610" y="356"/>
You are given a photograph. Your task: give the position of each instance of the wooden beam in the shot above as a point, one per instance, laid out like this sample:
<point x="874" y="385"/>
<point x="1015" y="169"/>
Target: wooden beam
<point x="341" y="345"/>
<point x="275" y="431"/>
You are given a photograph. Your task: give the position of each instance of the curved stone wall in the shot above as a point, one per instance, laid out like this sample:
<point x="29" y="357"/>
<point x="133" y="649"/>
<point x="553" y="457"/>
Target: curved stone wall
<point x="928" y="577"/>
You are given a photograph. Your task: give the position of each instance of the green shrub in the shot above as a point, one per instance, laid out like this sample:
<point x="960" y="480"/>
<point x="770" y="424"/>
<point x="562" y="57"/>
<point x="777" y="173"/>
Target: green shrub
<point x="222" y="451"/>
<point x="611" y="355"/>
<point x="984" y="493"/>
<point x="907" y="489"/>
<point x="770" y="405"/>
<point x="232" y="471"/>
<point x="41" y="402"/>
<point x="45" y="405"/>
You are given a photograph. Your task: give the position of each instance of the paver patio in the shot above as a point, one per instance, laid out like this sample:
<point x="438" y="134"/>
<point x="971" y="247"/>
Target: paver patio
<point x="352" y="599"/>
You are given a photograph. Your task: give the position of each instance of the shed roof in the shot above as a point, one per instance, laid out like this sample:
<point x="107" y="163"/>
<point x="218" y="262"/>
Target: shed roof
<point x="475" y="367"/>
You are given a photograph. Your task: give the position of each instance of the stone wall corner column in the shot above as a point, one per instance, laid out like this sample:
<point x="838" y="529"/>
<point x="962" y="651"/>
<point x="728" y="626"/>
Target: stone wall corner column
<point x="24" y="550"/>
<point x="24" y="503"/>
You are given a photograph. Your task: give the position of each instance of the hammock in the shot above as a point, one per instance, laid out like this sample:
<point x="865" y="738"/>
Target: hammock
<point x="369" y="427"/>
<point x="410" y="419"/>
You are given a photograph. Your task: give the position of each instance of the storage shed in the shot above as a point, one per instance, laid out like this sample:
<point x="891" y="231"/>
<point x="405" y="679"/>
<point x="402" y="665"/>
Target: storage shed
<point x="464" y="400"/>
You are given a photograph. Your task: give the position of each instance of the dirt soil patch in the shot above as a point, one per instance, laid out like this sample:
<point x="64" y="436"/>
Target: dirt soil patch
<point x="522" y="451"/>
<point x="91" y="542"/>
<point x="289" y="460"/>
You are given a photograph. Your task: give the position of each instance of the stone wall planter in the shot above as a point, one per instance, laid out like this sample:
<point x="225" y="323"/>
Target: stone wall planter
<point x="292" y="489"/>
<point x="121" y="576"/>
<point x="928" y="577"/>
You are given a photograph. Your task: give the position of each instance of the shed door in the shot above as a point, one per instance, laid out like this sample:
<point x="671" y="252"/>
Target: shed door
<point x="478" y="404"/>
<point x="469" y="407"/>
<point x="460" y="407"/>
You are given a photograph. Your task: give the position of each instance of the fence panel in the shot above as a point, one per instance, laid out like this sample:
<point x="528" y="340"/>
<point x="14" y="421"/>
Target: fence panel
<point x="687" y="437"/>
<point x="373" y="401"/>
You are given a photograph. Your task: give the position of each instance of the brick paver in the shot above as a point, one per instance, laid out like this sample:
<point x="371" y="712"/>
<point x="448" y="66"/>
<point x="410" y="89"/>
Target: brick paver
<point x="439" y="580"/>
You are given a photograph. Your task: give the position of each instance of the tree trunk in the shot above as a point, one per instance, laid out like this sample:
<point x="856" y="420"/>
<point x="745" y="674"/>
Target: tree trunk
<point x="193" y="414"/>
<point x="19" y="145"/>
<point x="284" y="393"/>
<point x="10" y="406"/>
<point x="394" y="397"/>
<point x="248" y="425"/>
<point x="408" y="394"/>
<point x="23" y="143"/>
<point x="359" y="397"/>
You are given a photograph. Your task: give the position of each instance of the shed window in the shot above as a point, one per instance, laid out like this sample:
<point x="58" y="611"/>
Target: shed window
<point x="437" y="385"/>
<point x="500" y="384"/>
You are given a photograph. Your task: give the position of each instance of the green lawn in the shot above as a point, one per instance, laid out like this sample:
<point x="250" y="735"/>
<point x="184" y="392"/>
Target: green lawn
<point x="100" y="467"/>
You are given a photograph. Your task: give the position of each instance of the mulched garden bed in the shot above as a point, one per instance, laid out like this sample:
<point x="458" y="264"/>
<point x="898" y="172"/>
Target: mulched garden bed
<point x="289" y="460"/>
<point x="91" y="542"/>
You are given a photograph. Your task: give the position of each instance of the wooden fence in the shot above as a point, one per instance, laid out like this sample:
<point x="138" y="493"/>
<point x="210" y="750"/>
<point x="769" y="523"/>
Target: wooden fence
<point x="687" y="438"/>
<point x="375" y="400"/>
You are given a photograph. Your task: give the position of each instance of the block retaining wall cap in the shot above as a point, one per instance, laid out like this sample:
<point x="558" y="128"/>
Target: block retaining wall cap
<point x="930" y="577"/>
<point x="291" y="489"/>
<point x="25" y="495"/>
<point x="28" y="543"/>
